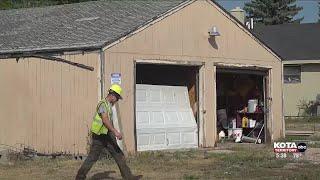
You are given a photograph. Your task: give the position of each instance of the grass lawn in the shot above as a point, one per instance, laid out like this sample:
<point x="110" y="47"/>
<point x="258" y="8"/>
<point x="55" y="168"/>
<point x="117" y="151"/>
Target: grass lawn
<point x="303" y="124"/>
<point x="227" y="161"/>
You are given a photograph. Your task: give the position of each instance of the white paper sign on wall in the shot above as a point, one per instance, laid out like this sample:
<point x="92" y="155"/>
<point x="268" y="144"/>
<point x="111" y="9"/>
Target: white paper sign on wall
<point x="115" y="78"/>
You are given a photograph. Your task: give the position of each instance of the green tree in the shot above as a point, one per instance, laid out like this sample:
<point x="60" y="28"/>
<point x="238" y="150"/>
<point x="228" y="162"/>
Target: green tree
<point x="319" y="11"/>
<point x="13" y="4"/>
<point x="5" y="4"/>
<point x="271" y="12"/>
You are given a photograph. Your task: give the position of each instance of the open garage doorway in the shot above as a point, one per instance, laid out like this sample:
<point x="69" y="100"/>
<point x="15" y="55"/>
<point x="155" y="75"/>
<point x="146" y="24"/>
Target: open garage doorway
<point x="241" y="104"/>
<point x="166" y="106"/>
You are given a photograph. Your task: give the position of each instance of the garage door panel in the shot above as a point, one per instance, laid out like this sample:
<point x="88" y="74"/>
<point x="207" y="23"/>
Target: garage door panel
<point x="189" y="138"/>
<point x="164" y="118"/>
<point x="141" y="96"/>
<point x="186" y="116"/>
<point x="157" y="118"/>
<point x="169" y="97"/>
<point x="155" y="96"/>
<point x="143" y="118"/>
<point x="152" y="141"/>
<point x="172" y="117"/>
<point x="166" y="140"/>
<point x="166" y="95"/>
<point x="144" y="140"/>
<point x="173" y="138"/>
<point x="159" y="138"/>
<point x="166" y="128"/>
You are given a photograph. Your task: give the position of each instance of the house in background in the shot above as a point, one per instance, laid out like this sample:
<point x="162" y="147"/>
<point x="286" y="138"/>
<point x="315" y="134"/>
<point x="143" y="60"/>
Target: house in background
<point x="299" y="46"/>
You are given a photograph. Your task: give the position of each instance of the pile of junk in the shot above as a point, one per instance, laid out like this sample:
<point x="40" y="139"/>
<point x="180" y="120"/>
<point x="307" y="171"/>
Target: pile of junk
<point x="247" y="125"/>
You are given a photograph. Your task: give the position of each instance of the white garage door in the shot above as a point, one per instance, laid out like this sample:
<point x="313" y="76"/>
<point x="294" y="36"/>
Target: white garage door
<point x="164" y="119"/>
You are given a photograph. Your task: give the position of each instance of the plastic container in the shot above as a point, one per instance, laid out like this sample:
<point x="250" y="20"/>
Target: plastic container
<point x="252" y="105"/>
<point x="234" y="123"/>
<point x="245" y="122"/>
<point x="222" y="135"/>
<point x="252" y="123"/>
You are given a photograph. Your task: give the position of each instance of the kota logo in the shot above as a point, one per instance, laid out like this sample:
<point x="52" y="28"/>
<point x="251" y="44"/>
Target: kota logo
<point x="292" y="147"/>
<point x="285" y="145"/>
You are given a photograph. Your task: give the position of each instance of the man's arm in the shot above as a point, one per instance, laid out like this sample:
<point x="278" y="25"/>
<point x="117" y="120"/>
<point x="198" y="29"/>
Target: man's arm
<point x="107" y="124"/>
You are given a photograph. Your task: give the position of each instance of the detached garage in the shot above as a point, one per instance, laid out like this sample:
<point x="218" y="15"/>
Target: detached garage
<point x="56" y="63"/>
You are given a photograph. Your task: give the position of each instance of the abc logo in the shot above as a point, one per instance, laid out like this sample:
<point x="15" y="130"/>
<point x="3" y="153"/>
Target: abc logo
<point x="302" y="147"/>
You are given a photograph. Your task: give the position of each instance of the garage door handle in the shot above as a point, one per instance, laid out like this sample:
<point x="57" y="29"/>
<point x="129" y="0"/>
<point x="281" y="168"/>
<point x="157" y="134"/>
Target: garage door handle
<point x="204" y="111"/>
<point x="167" y="141"/>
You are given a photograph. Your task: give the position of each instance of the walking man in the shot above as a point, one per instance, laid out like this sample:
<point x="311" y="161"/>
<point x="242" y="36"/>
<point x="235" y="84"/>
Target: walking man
<point x="104" y="136"/>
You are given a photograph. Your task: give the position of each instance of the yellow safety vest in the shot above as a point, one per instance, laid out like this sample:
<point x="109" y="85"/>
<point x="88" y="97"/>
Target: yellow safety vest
<point x="97" y="125"/>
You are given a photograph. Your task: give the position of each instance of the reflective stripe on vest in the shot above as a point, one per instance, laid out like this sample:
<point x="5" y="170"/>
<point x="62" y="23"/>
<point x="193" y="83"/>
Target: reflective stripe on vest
<point x="97" y="125"/>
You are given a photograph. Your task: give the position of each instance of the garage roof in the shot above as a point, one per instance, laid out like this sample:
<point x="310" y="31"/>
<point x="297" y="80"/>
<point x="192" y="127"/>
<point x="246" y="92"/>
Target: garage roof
<point x="292" y="41"/>
<point x="88" y="25"/>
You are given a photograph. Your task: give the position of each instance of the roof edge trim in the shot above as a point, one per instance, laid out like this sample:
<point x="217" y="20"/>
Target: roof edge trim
<point x="315" y="61"/>
<point x="50" y="50"/>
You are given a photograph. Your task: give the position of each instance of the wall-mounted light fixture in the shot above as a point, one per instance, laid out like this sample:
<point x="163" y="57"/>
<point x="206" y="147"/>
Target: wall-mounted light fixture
<point x="213" y="31"/>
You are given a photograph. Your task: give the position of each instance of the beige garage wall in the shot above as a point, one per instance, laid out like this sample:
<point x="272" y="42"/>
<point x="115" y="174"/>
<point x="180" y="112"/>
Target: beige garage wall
<point x="183" y="36"/>
<point x="47" y="105"/>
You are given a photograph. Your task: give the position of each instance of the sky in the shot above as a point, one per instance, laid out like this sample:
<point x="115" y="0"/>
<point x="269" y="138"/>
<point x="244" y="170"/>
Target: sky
<point x="309" y="12"/>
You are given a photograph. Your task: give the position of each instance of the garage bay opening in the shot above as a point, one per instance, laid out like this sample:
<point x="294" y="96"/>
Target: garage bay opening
<point x="166" y="105"/>
<point x="241" y="115"/>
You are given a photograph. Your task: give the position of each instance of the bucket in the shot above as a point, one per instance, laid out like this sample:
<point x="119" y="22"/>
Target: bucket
<point x="237" y="133"/>
<point x="222" y="135"/>
<point x="252" y="105"/>
<point x="252" y="123"/>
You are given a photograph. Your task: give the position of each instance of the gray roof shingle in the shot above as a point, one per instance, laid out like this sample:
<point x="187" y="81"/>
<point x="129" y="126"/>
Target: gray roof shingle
<point x="75" y="26"/>
<point x="292" y="41"/>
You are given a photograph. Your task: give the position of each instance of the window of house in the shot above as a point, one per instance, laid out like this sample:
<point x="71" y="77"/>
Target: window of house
<point x="292" y="74"/>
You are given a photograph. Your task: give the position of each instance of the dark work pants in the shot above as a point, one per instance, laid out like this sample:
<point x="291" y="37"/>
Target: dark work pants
<point x="98" y="143"/>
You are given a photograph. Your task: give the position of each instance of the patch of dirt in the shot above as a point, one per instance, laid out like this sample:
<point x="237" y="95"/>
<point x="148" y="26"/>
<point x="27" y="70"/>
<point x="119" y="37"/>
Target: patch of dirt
<point x="313" y="155"/>
<point x="291" y="166"/>
<point x="221" y="151"/>
<point x="232" y="145"/>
